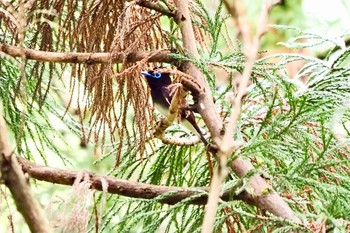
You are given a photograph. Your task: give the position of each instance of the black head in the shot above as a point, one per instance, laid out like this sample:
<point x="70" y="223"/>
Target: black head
<point x="156" y="79"/>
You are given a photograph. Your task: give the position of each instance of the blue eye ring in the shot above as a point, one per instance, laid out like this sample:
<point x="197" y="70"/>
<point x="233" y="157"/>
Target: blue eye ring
<point x="157" y="75"/>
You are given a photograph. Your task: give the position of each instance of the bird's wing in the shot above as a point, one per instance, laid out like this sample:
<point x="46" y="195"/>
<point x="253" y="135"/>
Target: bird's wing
<point x="187" y="116"/>
<point x="167" y="93"/>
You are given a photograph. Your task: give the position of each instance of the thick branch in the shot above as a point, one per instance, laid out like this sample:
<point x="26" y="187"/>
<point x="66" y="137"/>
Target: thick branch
<point x="15" y="180"/>
<point x="272" y="201"/>
<point x="138" y="190"/>
<point x="264" y="197"/>
<point x="115" y="185"/>
<point x="206" y="105"/>
<point x="118" y="186"/>
<point x="88" y="58"/>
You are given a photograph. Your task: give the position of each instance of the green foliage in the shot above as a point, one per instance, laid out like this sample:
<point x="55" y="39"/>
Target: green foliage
<point x="289" y="129"/>
<point x="30" y="119"/>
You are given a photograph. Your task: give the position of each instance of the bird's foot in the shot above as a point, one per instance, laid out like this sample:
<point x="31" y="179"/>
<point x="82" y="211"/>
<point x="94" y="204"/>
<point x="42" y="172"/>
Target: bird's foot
<point x="191" y="107"/>
<point x="212" y="148"/>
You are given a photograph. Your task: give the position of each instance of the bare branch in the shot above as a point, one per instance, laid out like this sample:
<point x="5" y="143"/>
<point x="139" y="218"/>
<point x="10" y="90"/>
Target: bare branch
<point x="251" y="51"/>
<point x="123" y="187"/>
<point x="15" y="180"/>
<point x="141" y="190"/>
<point x="214" y="124"/>
<point x="115" y="185"/>
<point x="206" y="107"/>
<point x="271" y="202"/>
<point x="88" y="58"/>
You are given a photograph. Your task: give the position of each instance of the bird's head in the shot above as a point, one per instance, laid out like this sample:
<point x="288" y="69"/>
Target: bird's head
<point x="156" y="79"/>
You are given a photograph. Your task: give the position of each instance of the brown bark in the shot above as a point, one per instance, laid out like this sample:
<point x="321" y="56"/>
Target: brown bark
<point x="125" y="187"/>
<point x="155" y="6"/>
<point x="146" y="191"/>
<point x="271" y="201"/>
<point x="88" y="58"/>
<point x="15" y="180"/>
<point x="206" y="105"/>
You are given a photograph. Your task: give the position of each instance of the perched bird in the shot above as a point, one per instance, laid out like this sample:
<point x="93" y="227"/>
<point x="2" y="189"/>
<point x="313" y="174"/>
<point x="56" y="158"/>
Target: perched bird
<point x="162" y="92"/>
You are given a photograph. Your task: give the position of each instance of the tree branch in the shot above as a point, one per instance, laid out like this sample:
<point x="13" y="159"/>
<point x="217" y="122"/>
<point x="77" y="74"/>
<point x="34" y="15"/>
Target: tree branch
<point x="15" y="180"/>
<point x="125" y="187"/>
<point x="155" y="6"/>
<point x="275" y="204"/>
<point x="139" y="190"/>
<point x="206" y="107"/>
<point x="88" y="58"/>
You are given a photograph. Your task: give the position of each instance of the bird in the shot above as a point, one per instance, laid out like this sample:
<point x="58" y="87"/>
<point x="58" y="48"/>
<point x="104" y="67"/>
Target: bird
<point x="162" y="93"/>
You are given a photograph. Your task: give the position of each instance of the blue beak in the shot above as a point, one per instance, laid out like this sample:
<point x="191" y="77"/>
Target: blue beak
<point x="146" y="74"/>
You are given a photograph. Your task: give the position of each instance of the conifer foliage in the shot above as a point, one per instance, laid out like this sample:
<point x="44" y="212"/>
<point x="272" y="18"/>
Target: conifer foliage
<point x="279" y="153"/>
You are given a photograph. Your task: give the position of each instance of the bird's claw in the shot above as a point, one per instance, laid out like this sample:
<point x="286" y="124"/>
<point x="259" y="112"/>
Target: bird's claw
<point x="191" y="107"/>
<point x="212" y="148"/>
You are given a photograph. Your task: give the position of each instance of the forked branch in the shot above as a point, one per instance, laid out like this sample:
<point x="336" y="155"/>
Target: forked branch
<point x="272" y="201"/>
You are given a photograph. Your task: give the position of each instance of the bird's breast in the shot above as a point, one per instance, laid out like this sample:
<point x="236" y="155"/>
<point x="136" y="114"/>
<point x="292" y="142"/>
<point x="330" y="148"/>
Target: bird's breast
<point x="165" y="112"/>
<point x="162" y="109"/>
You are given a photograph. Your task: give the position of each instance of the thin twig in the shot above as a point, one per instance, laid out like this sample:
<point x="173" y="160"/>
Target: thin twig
<point x="250" y="52"/>
<point x="238" y="15"/>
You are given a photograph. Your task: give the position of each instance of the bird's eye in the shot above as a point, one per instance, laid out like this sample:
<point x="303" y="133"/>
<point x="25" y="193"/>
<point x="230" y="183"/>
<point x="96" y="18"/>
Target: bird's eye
<point x="157" y="75"/>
